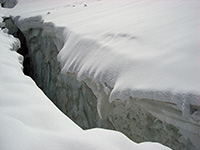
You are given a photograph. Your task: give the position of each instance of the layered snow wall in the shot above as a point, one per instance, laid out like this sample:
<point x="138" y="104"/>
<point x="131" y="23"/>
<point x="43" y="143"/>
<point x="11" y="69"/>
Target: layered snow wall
<point x="86" y="101"/>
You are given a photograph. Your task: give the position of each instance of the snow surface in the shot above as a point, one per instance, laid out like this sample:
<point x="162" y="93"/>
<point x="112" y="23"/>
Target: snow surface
<point x="141" y="49"/>
<point x="29" y="120"/>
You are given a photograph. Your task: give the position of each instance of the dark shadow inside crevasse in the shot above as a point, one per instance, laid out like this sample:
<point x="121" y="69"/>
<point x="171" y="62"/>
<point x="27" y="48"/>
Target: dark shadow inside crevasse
<point x="39" y="49"/>
<point x="23" y="50"/>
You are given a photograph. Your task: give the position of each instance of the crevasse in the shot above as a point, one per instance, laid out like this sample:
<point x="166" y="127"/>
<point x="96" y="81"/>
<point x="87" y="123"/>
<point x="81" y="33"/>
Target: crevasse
<point x="85" y="96"/>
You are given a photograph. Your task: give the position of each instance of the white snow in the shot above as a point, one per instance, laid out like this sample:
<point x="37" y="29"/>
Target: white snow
<point x="29" y="120"/>
<point x="140" y="49"/>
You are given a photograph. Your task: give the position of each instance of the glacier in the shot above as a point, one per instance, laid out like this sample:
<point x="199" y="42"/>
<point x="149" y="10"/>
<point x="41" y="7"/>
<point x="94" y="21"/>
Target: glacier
<point x="126" y="76"/>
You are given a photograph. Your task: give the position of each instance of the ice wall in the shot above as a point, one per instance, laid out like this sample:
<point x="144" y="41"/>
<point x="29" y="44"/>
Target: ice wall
<point x="86" y="101"/>
<point x="74" y="98"/>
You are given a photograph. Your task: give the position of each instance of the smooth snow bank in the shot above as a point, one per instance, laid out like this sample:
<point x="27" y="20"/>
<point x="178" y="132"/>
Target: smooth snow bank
<point x="29" y="120"/>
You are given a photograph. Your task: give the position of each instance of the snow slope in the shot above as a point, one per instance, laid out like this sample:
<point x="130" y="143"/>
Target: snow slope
<point x="29" y="120"/>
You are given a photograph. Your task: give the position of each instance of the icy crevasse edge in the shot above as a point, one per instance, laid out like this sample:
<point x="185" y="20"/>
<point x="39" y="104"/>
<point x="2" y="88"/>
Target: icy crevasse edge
<point x="84" y="57"/>
<point x="168" y="116"/>
<point x="30" y="119"/>
<point x="81" y="56"/>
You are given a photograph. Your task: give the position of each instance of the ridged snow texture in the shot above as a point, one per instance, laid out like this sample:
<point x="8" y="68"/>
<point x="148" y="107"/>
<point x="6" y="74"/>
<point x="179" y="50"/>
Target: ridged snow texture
<point x="141" y="117"/>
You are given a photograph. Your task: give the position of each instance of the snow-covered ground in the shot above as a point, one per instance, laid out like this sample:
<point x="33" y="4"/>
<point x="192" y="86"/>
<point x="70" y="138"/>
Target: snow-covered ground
<point x="29" y="120"/>
<point x="127" y="49"/>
